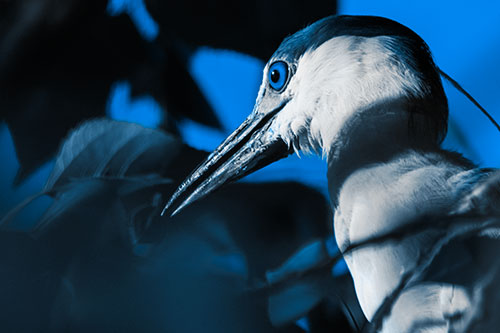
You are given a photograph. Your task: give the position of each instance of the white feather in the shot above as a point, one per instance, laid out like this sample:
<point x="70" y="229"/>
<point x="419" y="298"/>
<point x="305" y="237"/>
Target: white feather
<point x="336" y="81"/>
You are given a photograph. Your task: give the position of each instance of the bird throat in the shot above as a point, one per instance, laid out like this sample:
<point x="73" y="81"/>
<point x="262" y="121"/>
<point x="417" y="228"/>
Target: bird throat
<point x="375" y="137"/>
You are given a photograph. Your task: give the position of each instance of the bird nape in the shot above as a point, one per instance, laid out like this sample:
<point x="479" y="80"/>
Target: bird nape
<point x="365" y="93"/>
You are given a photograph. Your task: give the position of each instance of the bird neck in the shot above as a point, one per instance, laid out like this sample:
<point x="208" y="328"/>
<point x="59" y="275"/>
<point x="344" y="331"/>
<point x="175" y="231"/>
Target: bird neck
<point x="375" y="137"/>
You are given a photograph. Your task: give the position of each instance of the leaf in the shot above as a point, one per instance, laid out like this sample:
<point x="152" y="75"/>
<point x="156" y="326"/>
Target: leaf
<point x="98" y="194"/>
<point x="180" y="93"/>
<point x="11" y="215"/>
<point x="229" y="264"/>
<point x="108" y="148"/>
<point x="72" y="198"/>
<point x="109" y="151"/>
<point x="305" y="280"/>
<point x="255" y="28"/>
<point x="308" y="257"/>
<point x="298" y="290"/>
<point x="56" y="92"/>
<point x="99" y="49"/>
<point x="295" y="301"/>
<point x="329" y="303"/>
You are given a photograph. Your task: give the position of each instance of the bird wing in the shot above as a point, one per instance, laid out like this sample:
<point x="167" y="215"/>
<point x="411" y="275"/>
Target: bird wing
<point x="464" y="274"/>
<point x="484" y="198"/>
<point x="455" y="285"/>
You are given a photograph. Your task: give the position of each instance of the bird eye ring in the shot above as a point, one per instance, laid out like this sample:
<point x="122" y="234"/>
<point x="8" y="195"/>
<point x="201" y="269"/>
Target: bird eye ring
<point x="278" y="75"/>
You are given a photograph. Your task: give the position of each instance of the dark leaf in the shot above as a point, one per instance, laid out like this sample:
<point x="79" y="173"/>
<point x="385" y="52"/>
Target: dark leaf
<point x="27" y="288"/>
<point x="171" y="84"/>
<point x="270" y="221"/>
<point x="173" y="284"/>
<point x="298" y="289"/>
<point x="57" y="64"/>
<point x="59" y="61"/>
<point x="296" y="299"/>
<point x="89" y="206"/>
<point x="102" y="153"/>
<point x="104" y="237"/>
<point x="6" y="220"/>
<point x="108" y="148"/>
<point x="310" y="256"/>
<point x="255" y="28"/>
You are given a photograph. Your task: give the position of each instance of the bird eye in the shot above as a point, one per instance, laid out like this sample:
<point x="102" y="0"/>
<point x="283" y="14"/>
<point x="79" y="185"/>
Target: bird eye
<point x="278" y="75"/>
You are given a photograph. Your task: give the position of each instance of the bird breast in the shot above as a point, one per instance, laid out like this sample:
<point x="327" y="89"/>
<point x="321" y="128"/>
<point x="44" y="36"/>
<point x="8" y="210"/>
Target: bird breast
<point x="378" y="198"/>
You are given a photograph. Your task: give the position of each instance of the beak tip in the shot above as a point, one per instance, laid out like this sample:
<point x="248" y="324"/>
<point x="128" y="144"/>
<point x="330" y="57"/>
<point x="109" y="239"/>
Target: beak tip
<point x="176" y="211"/>
<point x="169" y="207"/>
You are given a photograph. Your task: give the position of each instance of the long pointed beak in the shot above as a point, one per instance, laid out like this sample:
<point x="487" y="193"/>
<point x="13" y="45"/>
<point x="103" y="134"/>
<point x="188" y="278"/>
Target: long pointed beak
<point x="249" y="148"/>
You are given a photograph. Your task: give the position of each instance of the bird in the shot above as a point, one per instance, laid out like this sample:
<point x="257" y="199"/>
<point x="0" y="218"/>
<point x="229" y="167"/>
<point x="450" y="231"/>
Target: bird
<point x="364" y="93"/>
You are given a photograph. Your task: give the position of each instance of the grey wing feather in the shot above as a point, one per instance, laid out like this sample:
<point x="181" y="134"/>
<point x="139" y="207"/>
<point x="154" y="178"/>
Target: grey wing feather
<point x="484" y="198"/>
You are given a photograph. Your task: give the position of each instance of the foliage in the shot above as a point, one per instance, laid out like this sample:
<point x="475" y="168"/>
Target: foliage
<point x="103" y="242"/>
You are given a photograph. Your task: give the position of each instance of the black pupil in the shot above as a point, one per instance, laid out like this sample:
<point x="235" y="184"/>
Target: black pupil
<point x="275" y="75"/>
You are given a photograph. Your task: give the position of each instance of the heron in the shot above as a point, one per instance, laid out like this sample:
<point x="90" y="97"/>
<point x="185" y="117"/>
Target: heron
<point x="365" y="94"/>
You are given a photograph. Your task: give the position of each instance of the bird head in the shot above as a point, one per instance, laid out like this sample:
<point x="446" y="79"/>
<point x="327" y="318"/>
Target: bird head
<point x="339" y="74"/>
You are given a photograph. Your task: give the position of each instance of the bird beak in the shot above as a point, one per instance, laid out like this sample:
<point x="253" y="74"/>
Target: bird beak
<point x="249" y="148"/>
